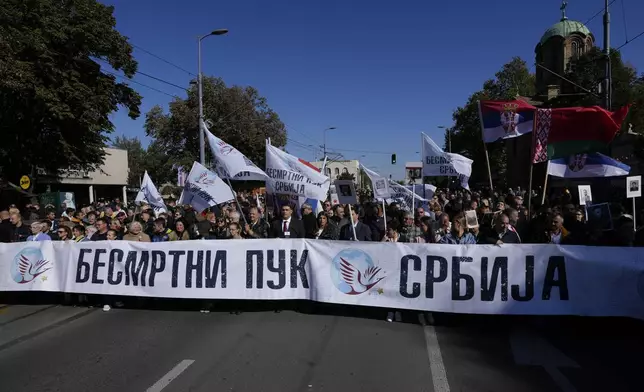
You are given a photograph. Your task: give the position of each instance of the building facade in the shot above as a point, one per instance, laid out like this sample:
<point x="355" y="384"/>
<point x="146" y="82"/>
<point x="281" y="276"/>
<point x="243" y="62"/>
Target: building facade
<point x="108" y="182"/>
<point x="334" y="169"/>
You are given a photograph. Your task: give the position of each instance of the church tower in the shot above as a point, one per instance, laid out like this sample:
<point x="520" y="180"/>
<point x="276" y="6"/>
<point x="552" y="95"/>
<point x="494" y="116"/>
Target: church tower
<point x="559" y="45"/>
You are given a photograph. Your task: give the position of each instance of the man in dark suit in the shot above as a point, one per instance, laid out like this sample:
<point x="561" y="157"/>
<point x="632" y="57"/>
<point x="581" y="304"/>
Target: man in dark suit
<point x="288" y="226"/>
<point x="363" y="232"/>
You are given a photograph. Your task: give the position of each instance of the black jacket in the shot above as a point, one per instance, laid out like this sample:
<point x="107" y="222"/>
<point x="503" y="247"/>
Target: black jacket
<point x="5" y="231"/>
<point x="296" y="229"/>
<point x="363" y="232"/>
<point x="310" y="225"/>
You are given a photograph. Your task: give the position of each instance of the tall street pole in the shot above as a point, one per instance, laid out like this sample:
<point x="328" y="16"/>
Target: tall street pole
<point x="607" y="72"/>
<point x="324" y="145"/>
<point x="202" y="144"/>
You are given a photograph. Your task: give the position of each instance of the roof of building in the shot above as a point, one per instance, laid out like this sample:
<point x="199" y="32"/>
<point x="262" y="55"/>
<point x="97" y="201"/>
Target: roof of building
<point x="564" y="28"/>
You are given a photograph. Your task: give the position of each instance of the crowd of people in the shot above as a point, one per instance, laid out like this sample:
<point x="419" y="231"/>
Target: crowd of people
<point x="446" y="219"/>
<point x="450" y="217"/>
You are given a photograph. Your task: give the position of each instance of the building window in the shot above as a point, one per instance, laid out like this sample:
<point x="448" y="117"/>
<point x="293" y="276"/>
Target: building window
<point x="328" y="172"/>
<point x="345" y="171"/>
<point x="576" y="50"/>
<point x="336" y="171"/>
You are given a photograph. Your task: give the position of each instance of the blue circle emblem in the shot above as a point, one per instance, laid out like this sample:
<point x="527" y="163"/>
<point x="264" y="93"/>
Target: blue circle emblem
<point x="354" y="272"/>
<point x="28" y="264"/>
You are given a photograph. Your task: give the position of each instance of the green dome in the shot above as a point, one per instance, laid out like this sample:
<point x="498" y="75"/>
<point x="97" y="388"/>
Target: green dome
<point x="564" y="29"/>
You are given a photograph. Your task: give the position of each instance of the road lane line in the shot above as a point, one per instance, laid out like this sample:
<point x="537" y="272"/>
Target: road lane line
<point x="436" y="365"/>
<point x="171" y="375"/>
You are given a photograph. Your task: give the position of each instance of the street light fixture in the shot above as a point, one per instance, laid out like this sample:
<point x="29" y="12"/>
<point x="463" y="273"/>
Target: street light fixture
<point x="202" y="144"/>
<point x="449" y="137"/>
<point x="324" y="145"/>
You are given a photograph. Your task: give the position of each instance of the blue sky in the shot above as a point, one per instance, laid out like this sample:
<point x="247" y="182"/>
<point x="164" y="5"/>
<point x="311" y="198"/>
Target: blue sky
<point x="379" y="71"/>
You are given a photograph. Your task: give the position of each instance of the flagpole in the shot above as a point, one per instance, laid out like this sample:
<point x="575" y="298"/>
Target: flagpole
<point x="545" y="184"/>
<point x="487" y="156"/>
<point x="353" y="227"/>
<point x="531" y="170"/>
<point x="384" y="213"/>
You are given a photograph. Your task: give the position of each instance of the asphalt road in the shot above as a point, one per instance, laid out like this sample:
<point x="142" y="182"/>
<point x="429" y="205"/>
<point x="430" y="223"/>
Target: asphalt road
<point x="320" y="348"/>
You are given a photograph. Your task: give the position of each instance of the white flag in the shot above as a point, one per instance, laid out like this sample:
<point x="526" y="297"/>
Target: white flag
<point x="230" y="163"/>
<point x="436" y="162"/>
<point x="379" y="184"/>
<point x="403" y="196"/>
<point x="204" y="189"/>
<point x="291" y="175"/>
<point x="150" y="195"/>
<point x="424" y="191"/>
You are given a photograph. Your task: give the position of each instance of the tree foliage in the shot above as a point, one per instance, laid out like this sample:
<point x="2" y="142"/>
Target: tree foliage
<point x="513" y="79"/>
<point x="346" y="176"/>
<point x="238" y="115"/>
<point x="135" y="158"/>
<point x="54" y="100"/>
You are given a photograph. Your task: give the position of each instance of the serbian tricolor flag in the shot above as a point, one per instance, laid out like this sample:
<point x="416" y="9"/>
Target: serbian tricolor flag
<point x="505" y="119"/>
<point x="562" y="132"/>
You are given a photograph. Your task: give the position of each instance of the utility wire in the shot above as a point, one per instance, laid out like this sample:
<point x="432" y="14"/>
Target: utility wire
<point x="624" y="21"/>
<point x="162" y="59"/>
<point x="140" y="84"/>
<point x="599" y="12"/>
<point x="161" y="80"/>
<point x="631" y="40"/>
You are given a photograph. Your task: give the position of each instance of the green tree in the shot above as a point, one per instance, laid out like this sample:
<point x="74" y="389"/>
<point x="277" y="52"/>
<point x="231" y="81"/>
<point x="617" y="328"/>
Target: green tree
<point x="238" y="115"/>
<point x="136" y="158"/>
<point x="346" y="176"/>
<point x="513" y="79"/>
<point x="159" y="166"/>
<point x="54" y="100"/>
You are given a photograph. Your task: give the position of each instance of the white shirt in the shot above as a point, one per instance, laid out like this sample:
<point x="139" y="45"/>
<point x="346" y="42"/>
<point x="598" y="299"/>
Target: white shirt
<point x="288" y="224"/>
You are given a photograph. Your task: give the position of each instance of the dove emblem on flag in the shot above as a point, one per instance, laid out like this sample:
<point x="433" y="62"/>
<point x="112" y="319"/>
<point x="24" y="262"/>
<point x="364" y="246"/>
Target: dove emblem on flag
<point x="28" y="265"/>
<point x="353" y="272"/>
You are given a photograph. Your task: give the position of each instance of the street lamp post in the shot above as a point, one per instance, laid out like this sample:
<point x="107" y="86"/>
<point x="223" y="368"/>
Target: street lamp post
<point x="449" y="137"/>
<point x="202" y="144"/>
<point x="324" y="145"/>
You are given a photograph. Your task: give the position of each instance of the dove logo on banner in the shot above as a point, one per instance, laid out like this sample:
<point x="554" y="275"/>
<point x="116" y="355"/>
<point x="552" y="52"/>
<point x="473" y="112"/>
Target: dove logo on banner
<point x="293" y="176"/>
<point x="231" y="163"/>
<point x="379" y="184"/>
<point x="150" y="195"/>
<point x="437" y="163"/>
<point x="204" y="189"/>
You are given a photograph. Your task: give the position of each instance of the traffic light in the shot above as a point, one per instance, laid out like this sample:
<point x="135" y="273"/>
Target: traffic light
<point x="393" y="159"/>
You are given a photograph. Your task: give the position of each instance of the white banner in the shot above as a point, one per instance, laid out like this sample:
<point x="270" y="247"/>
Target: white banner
<point x="436" y="162"/>
<point x="291" y="175"/>
<point x="230" y="163"/>
<point x="507" y="279"/>
<point x="379" y="184"/>
<point x="149" y="194"/>
<point x="204" y="189"/>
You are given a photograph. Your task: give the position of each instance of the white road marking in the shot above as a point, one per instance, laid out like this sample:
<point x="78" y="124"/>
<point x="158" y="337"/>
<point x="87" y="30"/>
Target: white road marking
<point x="171" y="375"/>
<point x="436" y="365"/>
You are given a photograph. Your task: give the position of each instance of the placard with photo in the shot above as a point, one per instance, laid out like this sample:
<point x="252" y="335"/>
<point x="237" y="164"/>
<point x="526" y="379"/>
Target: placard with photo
<point x="346" y="192"/>
<point x="585" y="195"/>
<point x="633" y="186"/>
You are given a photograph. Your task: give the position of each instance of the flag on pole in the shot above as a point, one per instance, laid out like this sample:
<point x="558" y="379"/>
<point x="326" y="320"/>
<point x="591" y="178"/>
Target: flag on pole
<point x="436" y="162"/>
<point x="587" y="165"/>
<point x="230" y="163"/>
<point x="505" y="119"/>
<point x="562" y="132"/>
<point x="149" y="194"/>
<point x="379" y="184"/>
<point x="403" y="196"/>
<point x="290" y="175"/>
<point x="204" y="189"/>
<point x="424" y="191"/>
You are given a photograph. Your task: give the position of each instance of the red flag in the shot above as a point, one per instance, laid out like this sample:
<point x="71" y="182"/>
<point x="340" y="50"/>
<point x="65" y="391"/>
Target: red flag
<point x="562" y="132"/>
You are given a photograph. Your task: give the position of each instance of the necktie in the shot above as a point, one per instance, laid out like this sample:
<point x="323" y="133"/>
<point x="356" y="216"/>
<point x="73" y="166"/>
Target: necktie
<point x="285" y="228"/>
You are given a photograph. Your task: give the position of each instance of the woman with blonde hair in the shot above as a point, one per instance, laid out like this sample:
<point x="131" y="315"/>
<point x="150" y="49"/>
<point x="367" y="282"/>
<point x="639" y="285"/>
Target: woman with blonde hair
<point x="135" y="233"/>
